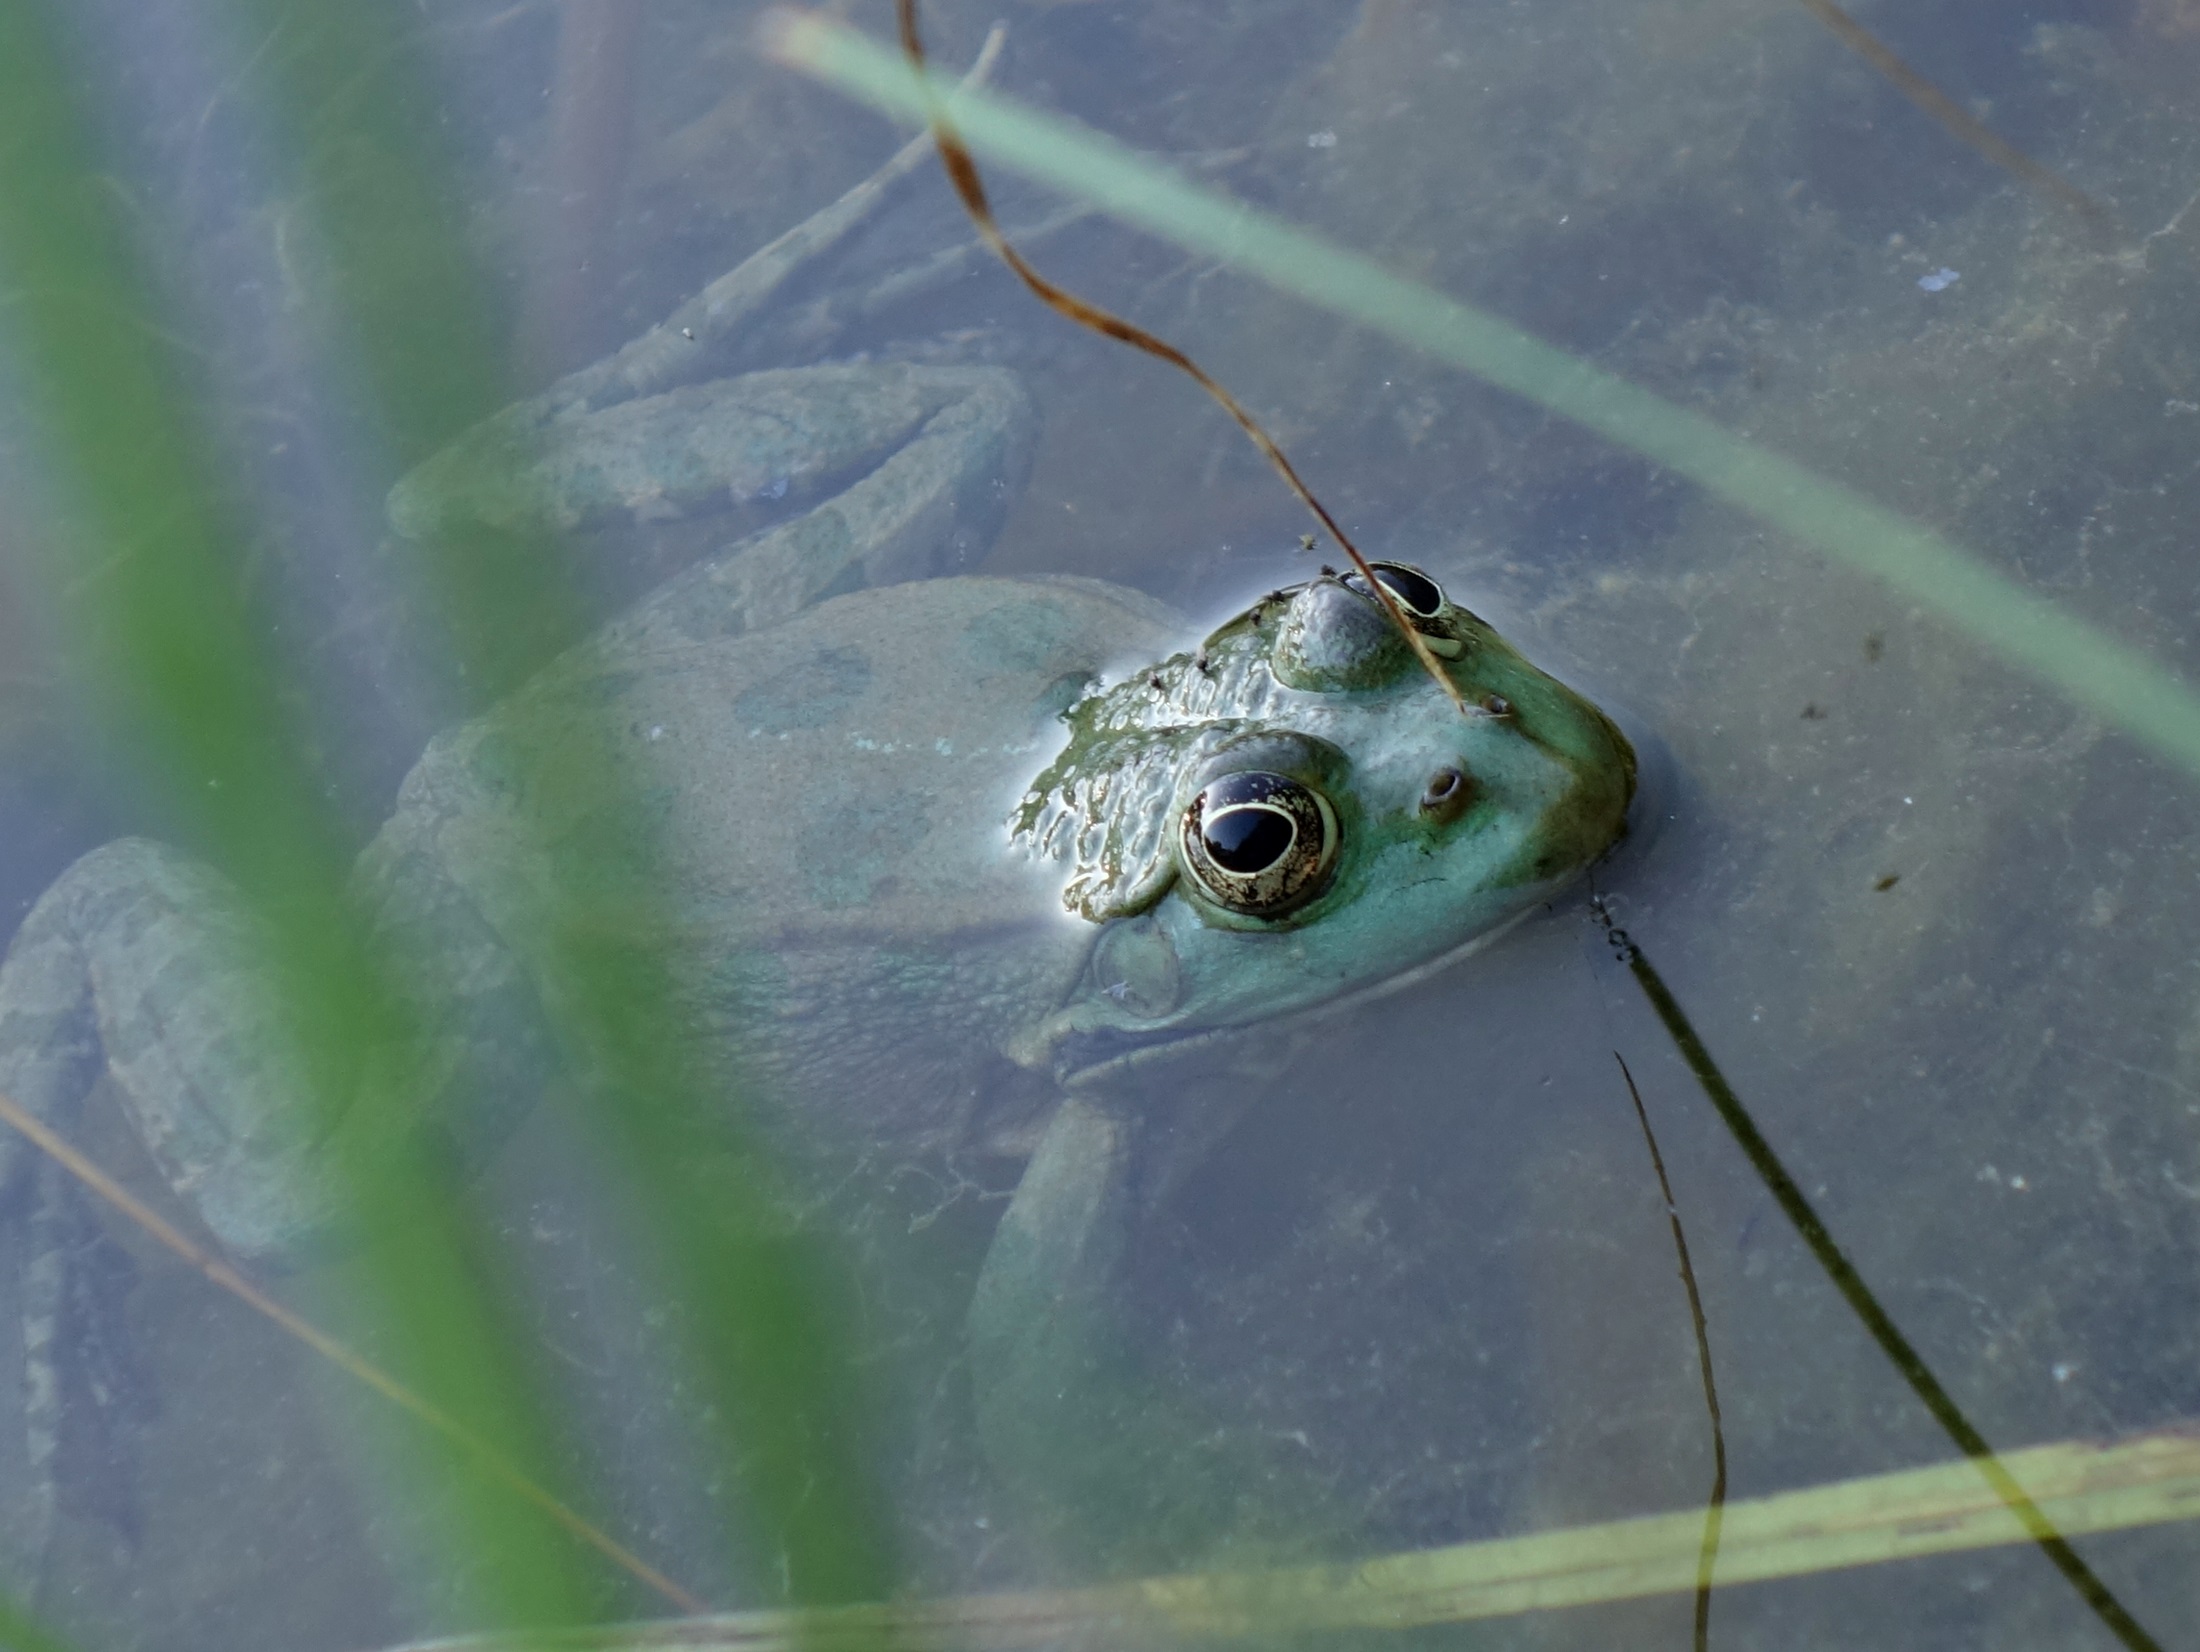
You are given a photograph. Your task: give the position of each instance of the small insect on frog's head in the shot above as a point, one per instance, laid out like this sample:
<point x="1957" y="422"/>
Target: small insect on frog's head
<point x="1295" y="811"/>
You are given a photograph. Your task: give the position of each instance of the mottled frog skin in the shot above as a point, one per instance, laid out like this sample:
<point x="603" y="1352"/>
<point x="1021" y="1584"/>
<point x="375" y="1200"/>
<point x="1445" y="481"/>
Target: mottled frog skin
<point x="948" y="855"/>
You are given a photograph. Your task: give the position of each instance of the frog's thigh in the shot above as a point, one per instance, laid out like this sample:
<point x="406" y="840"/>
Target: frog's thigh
<point x="139" y="961"/>
<point x="937" y="500"/>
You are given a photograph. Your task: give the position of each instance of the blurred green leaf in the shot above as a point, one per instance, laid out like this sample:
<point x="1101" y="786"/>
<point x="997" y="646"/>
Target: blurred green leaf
<point x="20" y="1632"/>
<point x="146" y="559"/>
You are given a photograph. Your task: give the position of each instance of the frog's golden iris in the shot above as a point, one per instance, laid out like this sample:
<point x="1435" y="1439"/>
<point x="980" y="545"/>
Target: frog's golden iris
<point x="1258" y="843"/>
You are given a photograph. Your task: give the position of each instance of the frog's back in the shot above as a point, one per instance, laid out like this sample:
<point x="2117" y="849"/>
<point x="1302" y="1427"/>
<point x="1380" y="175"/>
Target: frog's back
<point x="824" y="805"/>
<point x="851" y="772"/>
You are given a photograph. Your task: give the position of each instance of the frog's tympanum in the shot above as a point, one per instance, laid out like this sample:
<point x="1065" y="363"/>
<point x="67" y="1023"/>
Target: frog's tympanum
<point x="953" y="858"/>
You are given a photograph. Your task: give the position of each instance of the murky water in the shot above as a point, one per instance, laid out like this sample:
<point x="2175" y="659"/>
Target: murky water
<point x="1932" y="919"/>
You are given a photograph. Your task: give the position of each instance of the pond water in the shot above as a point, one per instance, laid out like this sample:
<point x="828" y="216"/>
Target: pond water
<point x="1931" y="917"/>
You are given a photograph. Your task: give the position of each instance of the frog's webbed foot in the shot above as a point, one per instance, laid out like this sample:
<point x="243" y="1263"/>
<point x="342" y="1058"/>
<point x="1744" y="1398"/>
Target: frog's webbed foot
<point x="1086" y="1443"/>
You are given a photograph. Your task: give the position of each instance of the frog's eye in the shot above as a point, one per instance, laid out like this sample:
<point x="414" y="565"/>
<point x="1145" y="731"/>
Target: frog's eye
<point x="1419" y="595"/>
<point x="1421" y="600"/>
<point x="1259" y="844"/>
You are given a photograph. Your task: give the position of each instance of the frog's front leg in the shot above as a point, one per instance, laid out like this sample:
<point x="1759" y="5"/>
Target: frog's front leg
<point x="1120" y="1473"/>
<point x="907" y="464"/>
<point x="1046" y="1368"/>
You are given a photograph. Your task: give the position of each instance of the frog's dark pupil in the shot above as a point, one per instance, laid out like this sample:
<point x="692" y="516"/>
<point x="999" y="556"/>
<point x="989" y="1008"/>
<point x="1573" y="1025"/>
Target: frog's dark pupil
<point x="1420" y="594"/>
<point x="1248" y="839"/>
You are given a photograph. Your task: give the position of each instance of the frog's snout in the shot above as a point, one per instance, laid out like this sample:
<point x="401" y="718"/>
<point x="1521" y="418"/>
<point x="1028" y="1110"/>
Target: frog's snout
<point x="1623" y="749"/>
<point x="1623" y="768"/>
<point x="1590" y="815"/>
<point x="1654" y="787"/>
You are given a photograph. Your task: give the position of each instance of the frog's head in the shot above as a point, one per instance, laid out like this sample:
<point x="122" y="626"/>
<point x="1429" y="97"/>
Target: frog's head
<point x="1296" y="812"/>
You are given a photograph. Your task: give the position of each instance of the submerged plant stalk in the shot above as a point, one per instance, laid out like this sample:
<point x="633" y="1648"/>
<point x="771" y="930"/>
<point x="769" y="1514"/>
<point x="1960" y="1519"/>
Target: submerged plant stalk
<point x="1901" y="1353"/>
<point x="1960" y="123"/>
<point x="1714" y="1506"/>
<point x="962" y="172"/>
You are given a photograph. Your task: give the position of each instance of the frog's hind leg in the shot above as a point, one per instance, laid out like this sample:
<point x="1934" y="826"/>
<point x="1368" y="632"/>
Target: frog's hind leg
<point x="931" y="507"/>
<point x="141" y="963"/>
<point x="145" y="967"/>
<point x="129" y="951"/>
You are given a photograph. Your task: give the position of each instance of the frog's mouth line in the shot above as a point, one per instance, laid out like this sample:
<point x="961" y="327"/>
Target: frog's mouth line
<point x="1163" y="1045"/>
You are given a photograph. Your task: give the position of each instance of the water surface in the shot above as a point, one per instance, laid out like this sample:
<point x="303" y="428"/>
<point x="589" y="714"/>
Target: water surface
<point x="1931" y="917"/>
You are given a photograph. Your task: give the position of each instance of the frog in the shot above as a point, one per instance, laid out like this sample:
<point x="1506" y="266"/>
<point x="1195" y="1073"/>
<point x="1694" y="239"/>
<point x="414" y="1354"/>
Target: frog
<point x="956" y="856"/>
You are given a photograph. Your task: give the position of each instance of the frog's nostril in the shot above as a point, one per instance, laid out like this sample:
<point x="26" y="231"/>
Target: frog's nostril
<point x="1447" y="794"/>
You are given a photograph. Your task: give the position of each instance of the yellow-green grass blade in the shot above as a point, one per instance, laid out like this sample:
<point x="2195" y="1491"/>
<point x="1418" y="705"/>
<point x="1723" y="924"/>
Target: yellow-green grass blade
<point x="1948" y="1508"/>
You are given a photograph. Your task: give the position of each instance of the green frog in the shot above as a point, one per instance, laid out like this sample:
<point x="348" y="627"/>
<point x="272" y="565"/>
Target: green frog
<point x="953" y="856"/>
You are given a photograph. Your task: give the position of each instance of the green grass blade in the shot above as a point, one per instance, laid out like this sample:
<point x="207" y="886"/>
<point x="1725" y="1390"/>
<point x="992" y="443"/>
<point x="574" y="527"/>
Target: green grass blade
<point x="20" y="1632"/>
<point x="2105" y="675"/>
<point x="766" y="1345"/>
<point x="148" y="559"/>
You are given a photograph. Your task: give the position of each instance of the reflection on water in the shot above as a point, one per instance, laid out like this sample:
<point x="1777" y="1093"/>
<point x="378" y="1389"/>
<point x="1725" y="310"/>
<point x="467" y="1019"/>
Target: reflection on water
<point x="1929" y="917"/>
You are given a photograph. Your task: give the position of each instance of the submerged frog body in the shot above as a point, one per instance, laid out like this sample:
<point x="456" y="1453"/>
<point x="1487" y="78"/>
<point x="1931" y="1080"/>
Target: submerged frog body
<point x="922" y="918"/>
<point x="945" y="856"/>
